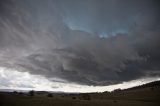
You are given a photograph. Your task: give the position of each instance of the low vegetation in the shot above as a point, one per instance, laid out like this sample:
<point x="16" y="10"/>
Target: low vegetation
<point x="31" y="93"/>
<point x="49" y="95"/>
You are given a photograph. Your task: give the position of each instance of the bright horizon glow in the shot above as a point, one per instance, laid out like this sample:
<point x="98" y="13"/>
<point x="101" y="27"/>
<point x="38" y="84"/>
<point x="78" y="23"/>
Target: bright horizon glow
<point x="25" y="81"/>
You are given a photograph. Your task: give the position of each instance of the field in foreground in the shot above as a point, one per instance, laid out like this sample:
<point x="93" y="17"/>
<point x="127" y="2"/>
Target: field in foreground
<point x="147" y="95"/>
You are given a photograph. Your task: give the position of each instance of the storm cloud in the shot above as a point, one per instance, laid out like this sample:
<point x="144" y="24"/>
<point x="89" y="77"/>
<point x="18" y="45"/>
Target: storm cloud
<point x="87" y="42"/>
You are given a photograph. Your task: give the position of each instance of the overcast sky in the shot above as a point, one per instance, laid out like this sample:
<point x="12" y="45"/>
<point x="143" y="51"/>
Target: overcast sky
<point x="78" y="43"/>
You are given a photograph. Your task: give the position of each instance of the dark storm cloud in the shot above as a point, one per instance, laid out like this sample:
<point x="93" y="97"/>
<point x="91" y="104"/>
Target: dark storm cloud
<point x="35" y="36"/>
<point x="109" y="16"/>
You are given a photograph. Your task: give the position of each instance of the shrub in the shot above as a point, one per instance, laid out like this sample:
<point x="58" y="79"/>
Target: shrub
<point x="49" y="95"/>
<point x="73" y="97"/>
<point x="15" y="92"/>
<point x="31" y="93"/>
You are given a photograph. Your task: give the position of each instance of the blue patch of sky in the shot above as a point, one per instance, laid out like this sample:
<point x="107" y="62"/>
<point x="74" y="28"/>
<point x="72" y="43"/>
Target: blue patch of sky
<point x="74" y="25"/>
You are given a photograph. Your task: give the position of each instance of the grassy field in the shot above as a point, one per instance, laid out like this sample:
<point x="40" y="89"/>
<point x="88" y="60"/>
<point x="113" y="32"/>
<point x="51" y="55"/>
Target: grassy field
<point x="140" y="97"/>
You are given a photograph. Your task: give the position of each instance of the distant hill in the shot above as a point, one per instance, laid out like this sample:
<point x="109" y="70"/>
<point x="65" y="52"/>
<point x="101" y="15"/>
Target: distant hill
<point x="155" y="84"/>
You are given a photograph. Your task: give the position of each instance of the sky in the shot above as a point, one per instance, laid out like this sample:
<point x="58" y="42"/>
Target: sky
<point x="79" y="45"/>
